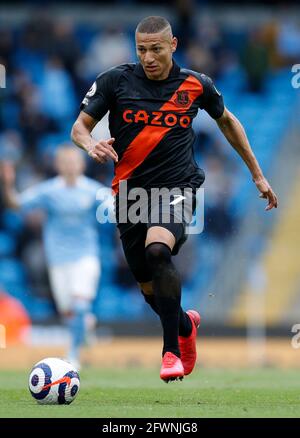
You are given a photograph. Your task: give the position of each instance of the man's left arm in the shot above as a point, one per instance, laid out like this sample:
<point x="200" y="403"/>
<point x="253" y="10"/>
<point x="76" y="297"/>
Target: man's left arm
<point x="236" y="136"/>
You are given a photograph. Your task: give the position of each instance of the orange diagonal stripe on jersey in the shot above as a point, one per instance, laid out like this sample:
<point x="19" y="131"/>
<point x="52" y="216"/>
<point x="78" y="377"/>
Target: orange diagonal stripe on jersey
<point x="150" y="136"/>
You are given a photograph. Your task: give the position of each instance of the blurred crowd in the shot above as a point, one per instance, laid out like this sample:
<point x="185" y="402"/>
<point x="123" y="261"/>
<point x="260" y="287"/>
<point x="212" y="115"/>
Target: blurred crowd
<point x="50" y="65"/>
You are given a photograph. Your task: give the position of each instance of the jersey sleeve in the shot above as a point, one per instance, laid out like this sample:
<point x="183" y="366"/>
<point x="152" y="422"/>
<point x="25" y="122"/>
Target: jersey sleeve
<point x="211" y="99"/>
<point x="33" y="198"/>
<point x="100" y="97"/>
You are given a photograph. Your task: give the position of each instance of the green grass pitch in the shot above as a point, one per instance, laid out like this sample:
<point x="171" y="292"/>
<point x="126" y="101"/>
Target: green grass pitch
<point x="138" y="392"/>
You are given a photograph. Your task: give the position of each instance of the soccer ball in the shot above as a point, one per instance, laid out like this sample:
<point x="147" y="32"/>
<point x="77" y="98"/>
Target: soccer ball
<point x="54" y="381"/>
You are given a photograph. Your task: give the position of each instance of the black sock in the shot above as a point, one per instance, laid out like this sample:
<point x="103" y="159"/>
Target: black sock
<point x="185" y="325"/>
<point x="167" y="292"/>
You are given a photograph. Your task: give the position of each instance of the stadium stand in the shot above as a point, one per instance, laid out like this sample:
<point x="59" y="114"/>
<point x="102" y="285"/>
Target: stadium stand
<point x="50" y="66"/>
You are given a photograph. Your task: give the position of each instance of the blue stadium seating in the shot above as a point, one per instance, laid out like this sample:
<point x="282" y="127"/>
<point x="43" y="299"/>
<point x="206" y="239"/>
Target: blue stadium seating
<point x="265" y="117"/>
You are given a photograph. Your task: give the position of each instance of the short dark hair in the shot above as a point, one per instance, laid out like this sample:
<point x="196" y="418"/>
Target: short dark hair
<point x="152" y="24"/>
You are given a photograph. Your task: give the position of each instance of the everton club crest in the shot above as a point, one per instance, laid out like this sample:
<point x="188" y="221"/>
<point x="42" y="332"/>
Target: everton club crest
<point x="182" y="98"/>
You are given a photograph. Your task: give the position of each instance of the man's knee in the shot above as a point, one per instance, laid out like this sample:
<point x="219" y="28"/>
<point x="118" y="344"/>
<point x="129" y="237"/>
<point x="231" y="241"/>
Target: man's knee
<point x="148" y="294"/>
<point x="80" y="305"/>
<point x="158" y="234"/>
<point x="146" y="288"/>
<point x="157" y="253"/>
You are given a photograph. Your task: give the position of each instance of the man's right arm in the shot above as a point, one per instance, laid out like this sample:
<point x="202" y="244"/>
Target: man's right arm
<point x="100" y="150"/>
<point x="95" y="105"/>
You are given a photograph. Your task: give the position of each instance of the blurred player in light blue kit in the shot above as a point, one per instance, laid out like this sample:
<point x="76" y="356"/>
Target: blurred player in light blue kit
<point x="70" y="235"/>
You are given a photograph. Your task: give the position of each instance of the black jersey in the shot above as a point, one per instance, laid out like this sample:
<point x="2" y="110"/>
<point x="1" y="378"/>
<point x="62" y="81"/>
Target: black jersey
<point x="152" y="123"/>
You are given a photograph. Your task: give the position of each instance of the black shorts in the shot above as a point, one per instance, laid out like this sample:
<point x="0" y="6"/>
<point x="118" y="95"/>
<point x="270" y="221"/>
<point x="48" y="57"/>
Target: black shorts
<point x="169" y="214"/>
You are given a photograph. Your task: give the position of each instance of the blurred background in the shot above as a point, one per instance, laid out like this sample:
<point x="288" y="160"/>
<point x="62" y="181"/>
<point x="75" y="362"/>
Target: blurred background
<point x="242" y="272"/>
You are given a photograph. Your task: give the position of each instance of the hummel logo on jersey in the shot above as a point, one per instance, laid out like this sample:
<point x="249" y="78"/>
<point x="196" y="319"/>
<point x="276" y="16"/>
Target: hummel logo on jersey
<point x="177" y="199"/>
